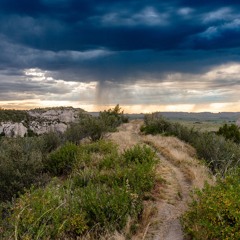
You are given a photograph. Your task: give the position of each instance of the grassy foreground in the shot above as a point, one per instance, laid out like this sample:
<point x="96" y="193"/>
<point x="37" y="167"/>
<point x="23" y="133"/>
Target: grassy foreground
<point x="101" y="192"/>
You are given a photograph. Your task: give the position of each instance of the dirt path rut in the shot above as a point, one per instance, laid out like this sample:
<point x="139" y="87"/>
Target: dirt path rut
<point x="179" y="172"/>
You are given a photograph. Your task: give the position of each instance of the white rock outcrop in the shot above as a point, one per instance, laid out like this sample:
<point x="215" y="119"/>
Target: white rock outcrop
<point x="42" y="121"/>
<point x="65" y="115"/>
<point x="11" y="129"/>
<point x="44" y="127"/>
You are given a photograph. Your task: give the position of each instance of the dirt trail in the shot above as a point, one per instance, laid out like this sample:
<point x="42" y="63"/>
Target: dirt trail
<point x="179" y="172"/>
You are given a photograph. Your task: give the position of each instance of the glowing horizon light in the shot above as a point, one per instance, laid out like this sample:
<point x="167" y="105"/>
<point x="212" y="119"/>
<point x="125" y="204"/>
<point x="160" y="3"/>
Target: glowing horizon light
<point x="137" y="108"/>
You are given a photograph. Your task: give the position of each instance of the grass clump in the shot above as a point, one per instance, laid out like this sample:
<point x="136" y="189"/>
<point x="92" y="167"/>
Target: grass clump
<point x="45" y="213"/>
<point x="215" y="212"/>
<point x="104" y="192"/>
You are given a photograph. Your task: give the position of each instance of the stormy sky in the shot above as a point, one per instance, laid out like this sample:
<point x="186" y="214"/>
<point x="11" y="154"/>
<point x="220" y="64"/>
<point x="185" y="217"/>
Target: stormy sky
<point x="146" y="55"/>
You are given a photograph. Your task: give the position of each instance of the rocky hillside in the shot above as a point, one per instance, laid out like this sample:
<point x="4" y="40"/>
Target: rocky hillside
<point x="37" y="121"/>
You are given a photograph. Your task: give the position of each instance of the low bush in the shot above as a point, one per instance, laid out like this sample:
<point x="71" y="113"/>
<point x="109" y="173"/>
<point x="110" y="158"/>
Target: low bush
<point x="109" y="208"/>
<point x="50" y="141"/>
<point x="94" y="128"/>
<point x="215" y="212"/>
<point x="75" y="133"/>
<point x="100" y="147"/>
<point x="155" y="123"/>
<point x="113" y="117"/>
<point x="139" y="154"/>
<point x="62" y="159"/>
<point x="230" y="132"/>
<point x="21" y="165"/>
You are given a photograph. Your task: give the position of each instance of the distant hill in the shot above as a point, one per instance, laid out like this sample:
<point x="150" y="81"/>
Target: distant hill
<point x="202" y="116"/>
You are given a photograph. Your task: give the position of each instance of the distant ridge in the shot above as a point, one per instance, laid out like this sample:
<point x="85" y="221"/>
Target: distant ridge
<point x="190" y="116"/>
<point x="203" y="116"/>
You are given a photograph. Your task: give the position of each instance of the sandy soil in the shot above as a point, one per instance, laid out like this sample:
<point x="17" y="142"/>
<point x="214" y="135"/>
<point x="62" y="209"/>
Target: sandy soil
<point x="180" y="172"/>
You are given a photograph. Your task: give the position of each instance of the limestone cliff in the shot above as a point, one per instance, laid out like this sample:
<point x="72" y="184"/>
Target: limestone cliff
<point x="12" y="129"/>
<point x="39" y="121"/>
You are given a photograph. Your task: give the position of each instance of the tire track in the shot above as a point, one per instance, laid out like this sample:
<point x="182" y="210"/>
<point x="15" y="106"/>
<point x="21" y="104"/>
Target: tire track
<point x="179" y="171"/>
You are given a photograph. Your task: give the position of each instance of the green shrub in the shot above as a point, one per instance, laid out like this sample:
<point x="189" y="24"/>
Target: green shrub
<point x="113" y="117"/>
<point x="30" y="133"/>
<point x="75" y="133"/>
<point x="109" y="208"/>
<point x="50" y="141"/>
<point x="155" y="123"/>
<point x="215" y="212"/>
<point x="101" y="147"/>
<point x="230" y="132"/>
<point x="62" y="159"/>
<point x="20" y="165"/>
<point x="135" y="166"/>
<point x="139" y="154"/>
<point x="88" y="126"/>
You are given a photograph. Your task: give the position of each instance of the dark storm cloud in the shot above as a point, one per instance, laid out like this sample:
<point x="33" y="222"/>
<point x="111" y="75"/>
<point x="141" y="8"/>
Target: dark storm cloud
<point x="116" y="25"/>
<point x="116" y="41"/>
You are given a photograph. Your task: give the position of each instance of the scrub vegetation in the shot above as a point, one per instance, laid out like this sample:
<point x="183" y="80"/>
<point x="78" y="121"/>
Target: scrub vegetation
<point x="100" y="193"/>
<point x="214" y="212"/>
<point x="52" y="187"/>
<point x="93" y="182"/>
<point x="13" y="115"/>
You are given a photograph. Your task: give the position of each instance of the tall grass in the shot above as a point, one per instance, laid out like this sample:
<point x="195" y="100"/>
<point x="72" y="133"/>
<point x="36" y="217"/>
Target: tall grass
<point x="220" y="154"/>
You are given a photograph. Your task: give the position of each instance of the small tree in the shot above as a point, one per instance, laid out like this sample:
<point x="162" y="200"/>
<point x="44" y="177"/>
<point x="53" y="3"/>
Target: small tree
<point x="114" y="117"/>
<point x="95" y="127"/>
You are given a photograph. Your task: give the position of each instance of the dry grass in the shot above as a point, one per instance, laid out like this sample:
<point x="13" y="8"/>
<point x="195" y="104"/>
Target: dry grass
<point x="127" y="135"/>
<point x="182" y="156"/>
<point x="146" y="220"/>
<point x="177" y="174"/>
<point x="202" y="126"/>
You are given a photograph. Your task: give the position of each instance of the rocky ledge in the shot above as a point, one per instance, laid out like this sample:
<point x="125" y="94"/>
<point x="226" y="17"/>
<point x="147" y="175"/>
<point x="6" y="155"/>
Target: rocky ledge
<point x="38" y="121"/>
